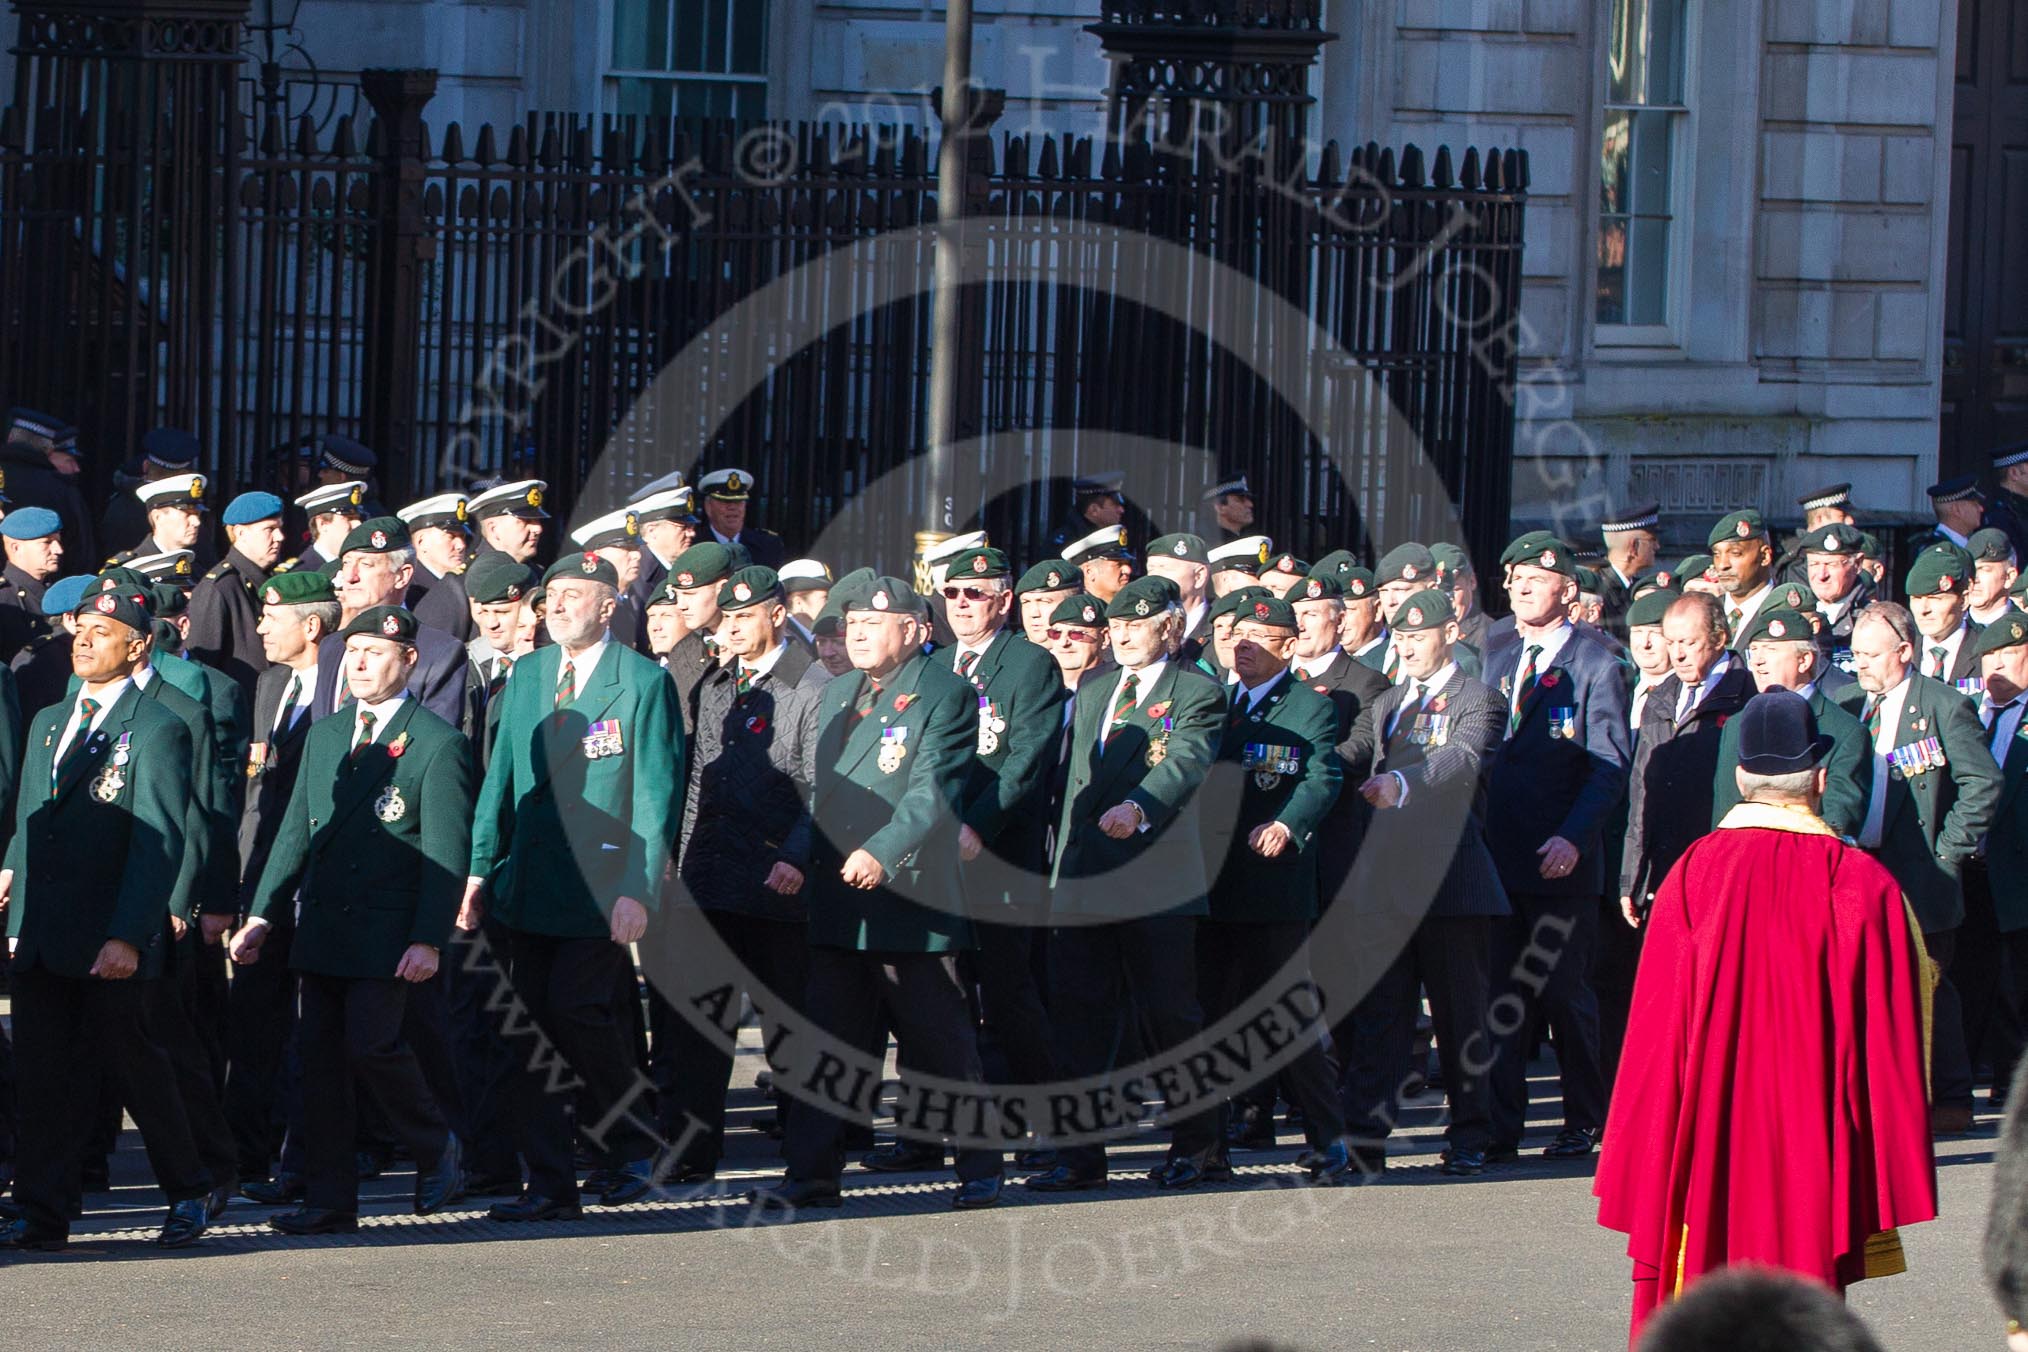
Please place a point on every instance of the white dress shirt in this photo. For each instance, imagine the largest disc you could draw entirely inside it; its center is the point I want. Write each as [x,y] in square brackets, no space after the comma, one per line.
[584,664]
[1145,679]
[1315,667]
[1883,742]
[1550,647]
[381,712]
[1688,700]
[1748,608]
[1950,644]
[106,696]
[306,692]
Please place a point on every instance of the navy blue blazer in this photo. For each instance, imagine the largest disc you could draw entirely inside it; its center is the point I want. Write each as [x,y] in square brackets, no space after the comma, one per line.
[1564,769]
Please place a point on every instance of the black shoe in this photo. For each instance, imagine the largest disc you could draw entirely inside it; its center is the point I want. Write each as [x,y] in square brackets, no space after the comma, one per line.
[16,1235]
[1178,1174]
[903,1157]
[315,1221]
[280,1190]
[1035,1161]
[9,1212]
[1328,1165]
[686,1174]
[214,1203]
[630,1184]
[1495,1154]
[1364,1166]
[1570,1144]
[493,1185]
[1252,1129]
[603,1179]
[1063,1178]
[532,1206]
[185,1222]
[977,1193]
[794,1194]
[1464,1163]
[444,1184]
[1415,1086]
[370,1163]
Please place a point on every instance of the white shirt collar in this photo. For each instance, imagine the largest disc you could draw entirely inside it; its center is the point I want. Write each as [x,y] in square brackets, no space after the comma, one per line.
[381,712]
[723,539]
[1704,689]
[144,674]
[1551,645]
[1378,640]
[1314,667]
[1750,606]
[764,664]
[1254,694]
[1950,644]
[1430,684]
[1961,541]
[979,648]
[586,662]
[107,696]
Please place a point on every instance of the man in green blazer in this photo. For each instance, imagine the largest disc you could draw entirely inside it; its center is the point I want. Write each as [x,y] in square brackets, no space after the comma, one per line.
[1782,651]
[570,839]
[1129,871]
[1994,937]
[91,869]
[1273,786]
[371,856]
[887,915]
[1935,786]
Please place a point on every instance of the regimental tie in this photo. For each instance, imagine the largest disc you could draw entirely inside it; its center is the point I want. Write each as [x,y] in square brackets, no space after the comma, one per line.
[1936,661]
[1129,698]
[1872,719]
[1411,705]
[80,733]
[868,696]
[1524,684]
[1733,615]
[364,735]
[501,666]
[1391,664]
[566,684]
[967,664]
[742,682]
[711,647]
[288,709]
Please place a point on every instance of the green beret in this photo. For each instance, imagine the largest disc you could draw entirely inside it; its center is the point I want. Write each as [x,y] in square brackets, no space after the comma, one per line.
[1079,608]
[1235,601]
[1451,560]
[2005,632]
[1835,538]
[392,622]
[1405,563]
[1791,596]
[1869,546]
[2020,587]
[495,578]
[707,565]
[121,577]
[1288,565]
[884,596]
[1271,611]
[1651,608]
[1655,579]
[166,598]
[984,561]
[1587,580]
[124,603]
[1183,545]
[1942,568]
[1335,564]
[667,593]
[1990,544]
[750,586]
[1315,588]
[1171,593]
[1426,609]
[1744,525]
[166,634]
[379,535]
[1779,624]
[1540,549]
[1142,597]
[587,565]
[1693,567]
[298,589]
[1048,575]
[1358,583]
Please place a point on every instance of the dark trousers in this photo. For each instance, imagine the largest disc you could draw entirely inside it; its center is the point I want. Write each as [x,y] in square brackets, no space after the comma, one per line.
[775,954]
[923,1000]
[1950,1067]
[352,1038]
[260,1078]
[1099,977]
[1451,957]
[9,1102]
[167,1005]
[475,980]
[577,1042]
[1012,1017]
[1993,1033]
[1235,964]
[1543,954]
[62,1024]
[1615,959]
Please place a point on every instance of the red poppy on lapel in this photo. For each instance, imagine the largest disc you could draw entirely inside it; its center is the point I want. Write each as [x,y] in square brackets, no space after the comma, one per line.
[756,724]
[1549,682]
[397,746]
[901,702]
[1158,711]
[1722,718]
[1436,706]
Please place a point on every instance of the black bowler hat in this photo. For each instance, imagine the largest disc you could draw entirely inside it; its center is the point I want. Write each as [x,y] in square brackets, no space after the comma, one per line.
[1778,735]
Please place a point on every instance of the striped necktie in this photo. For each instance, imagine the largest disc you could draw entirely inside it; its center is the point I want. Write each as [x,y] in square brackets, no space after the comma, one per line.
[1129,697]
[1937,653]
[566,684]
[80,733]
[1873,717]
[967,664]
[363,735]
[1524,685]
[1391,664]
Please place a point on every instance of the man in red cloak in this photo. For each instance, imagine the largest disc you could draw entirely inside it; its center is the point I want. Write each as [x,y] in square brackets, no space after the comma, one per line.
[1772,1102]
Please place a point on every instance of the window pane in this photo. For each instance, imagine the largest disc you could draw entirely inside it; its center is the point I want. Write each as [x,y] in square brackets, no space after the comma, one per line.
[648,98]
[1615,179]
[690,53]
[641,34]
[717,54]
[1650,178]
[1644,52]
[1647,275]
[1612,271]
[749,37]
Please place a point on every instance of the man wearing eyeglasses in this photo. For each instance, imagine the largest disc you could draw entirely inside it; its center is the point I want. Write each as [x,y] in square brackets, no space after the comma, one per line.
[1075,635]
[1003,821]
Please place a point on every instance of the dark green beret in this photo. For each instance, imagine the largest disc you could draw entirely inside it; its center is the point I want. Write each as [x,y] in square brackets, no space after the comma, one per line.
[707,565]
[1335,564]
[1587,580]
[1235,601]
[1745,525]
[1079,608]
[2020,587]
[884,596]
[1271,611]
[1835,538]
[1991,545]
[383,622]
[1142,597]
[495,578]
[1315,588]
[1183,545]
[667,593]
[1451,560]
[307,588]
[166,598]
[1780,625]
[1287,565]
[123,602]
[1048,575]
[1791,596]
[588,566]
[1655,578]
[753,585]
[1651,608]
[1405,563]
[166,634]
[984,561]
[1426,609]
[378,535]
[121,577]
[2007,631]
[1693,567]
[1869,546]
[1941,568]
[1358,583]
[1540,549]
